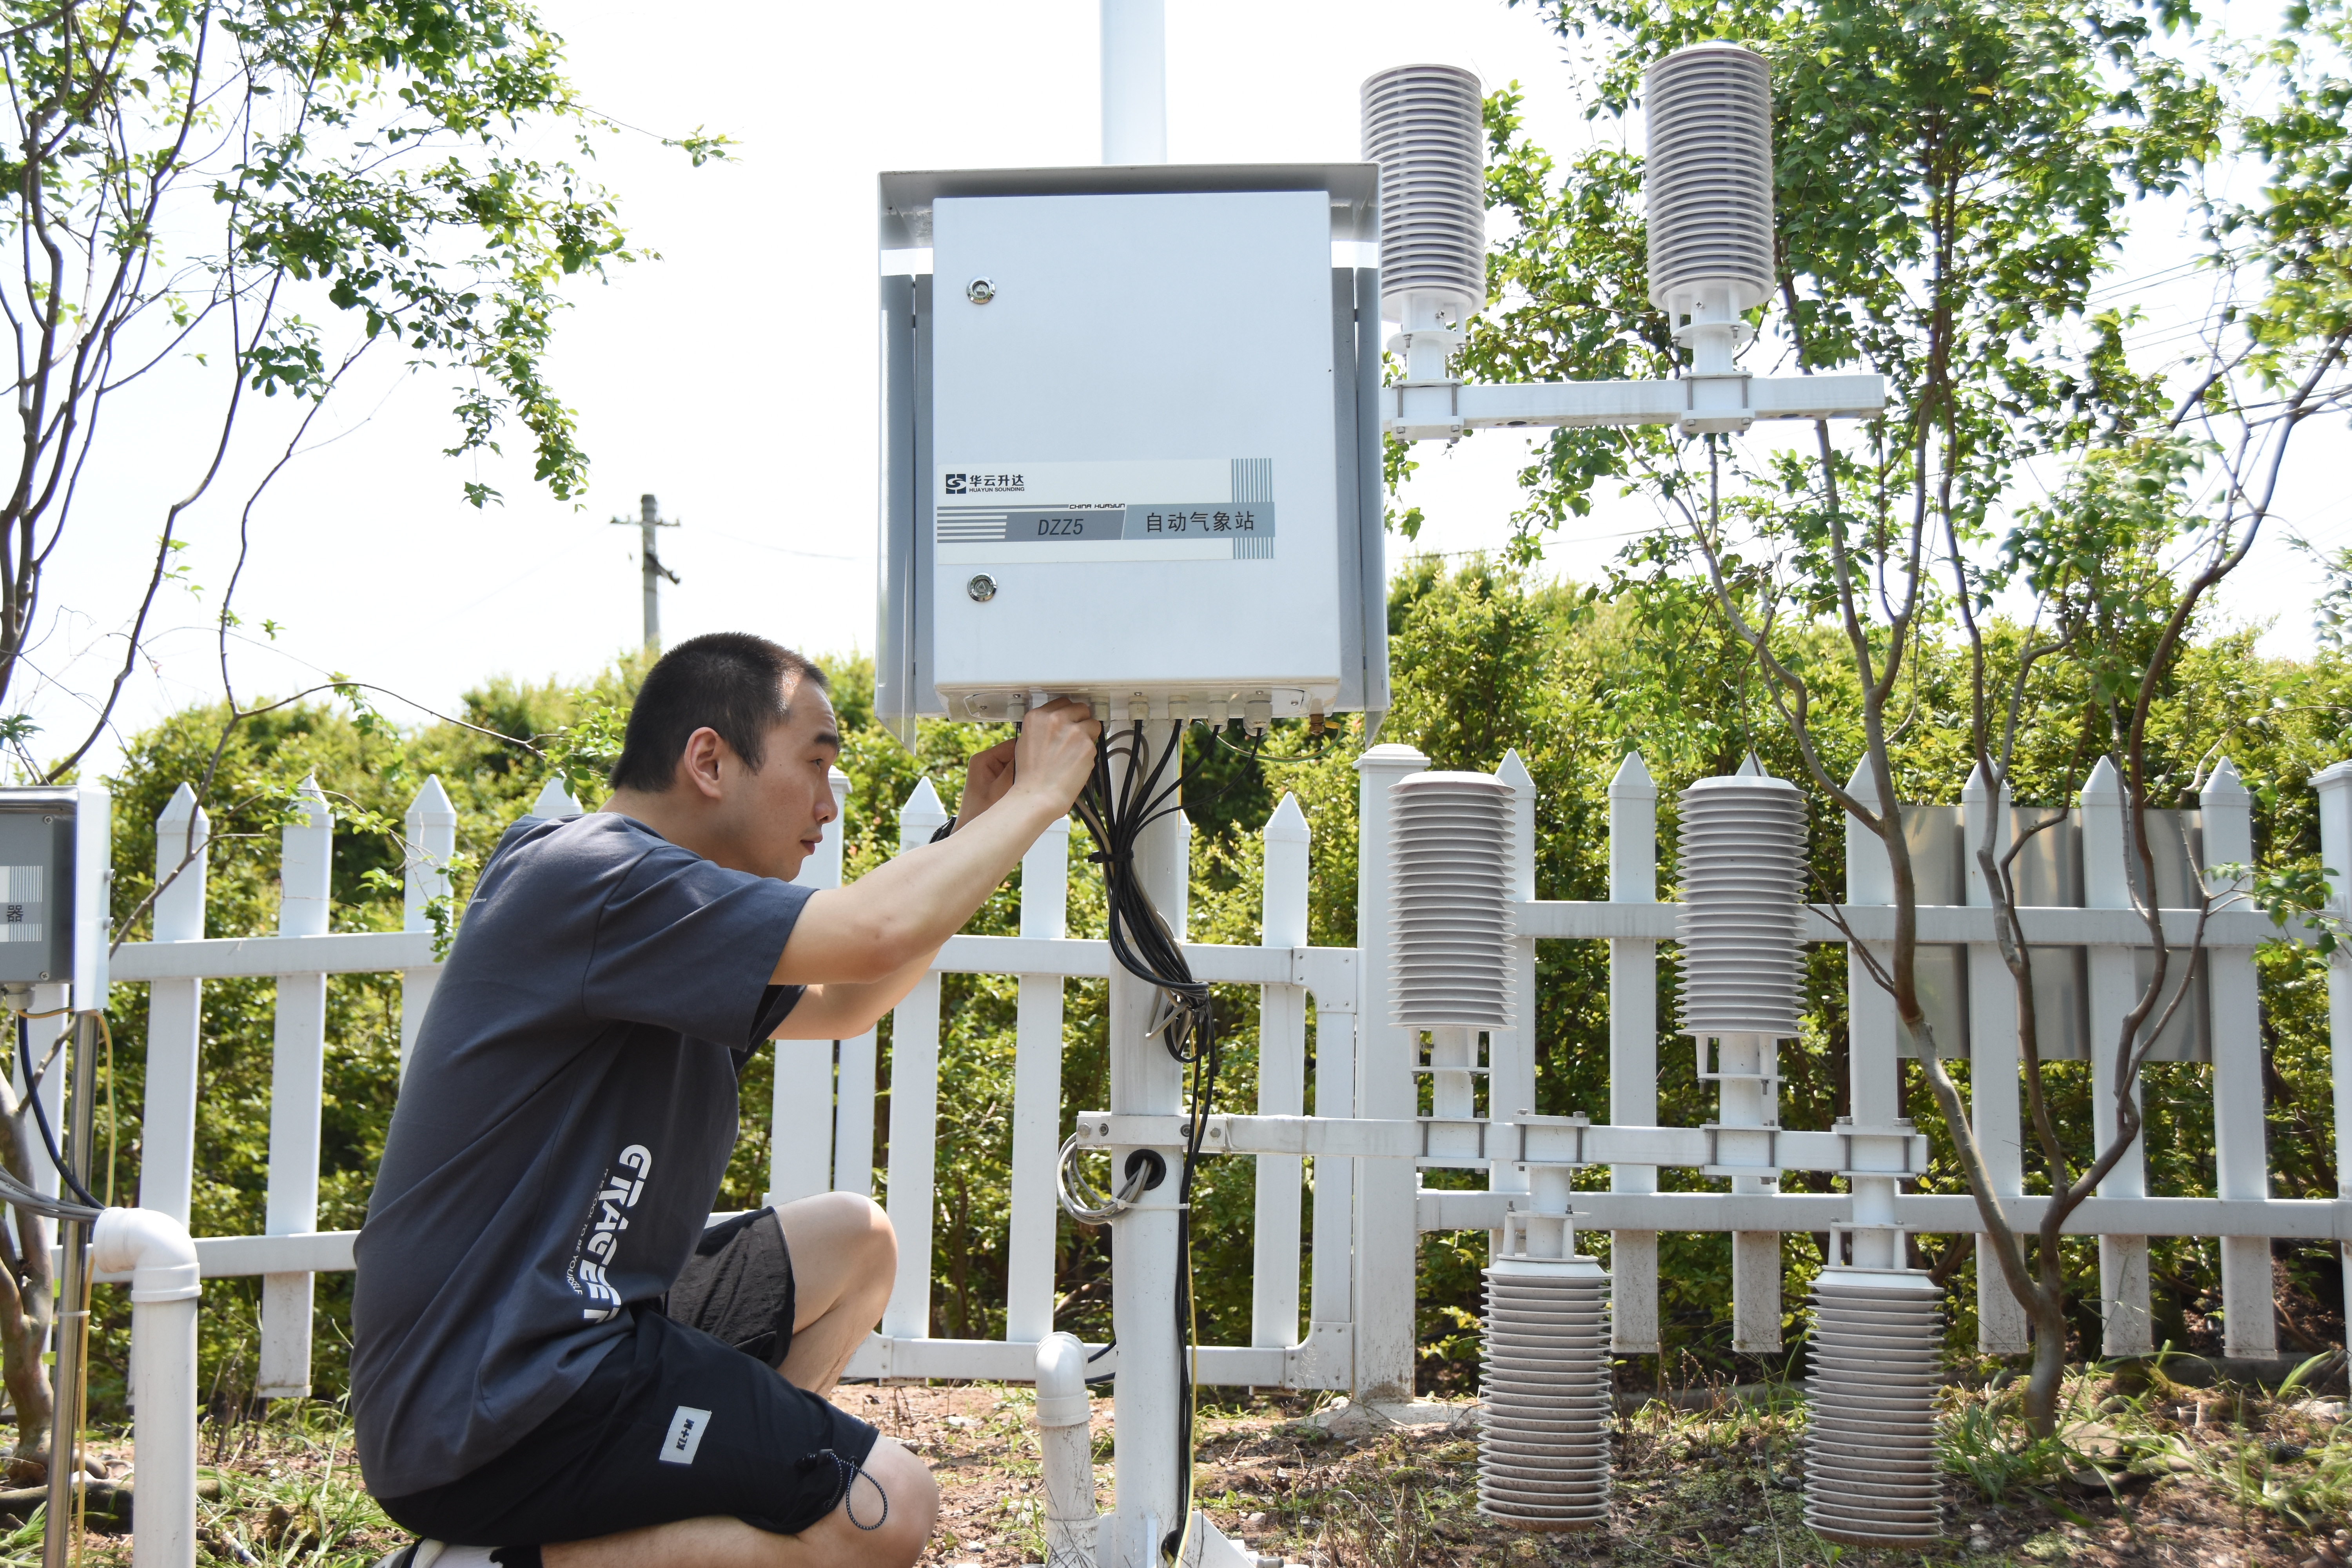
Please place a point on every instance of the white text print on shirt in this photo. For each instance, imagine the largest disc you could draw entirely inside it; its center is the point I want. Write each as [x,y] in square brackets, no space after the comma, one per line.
[599,1233]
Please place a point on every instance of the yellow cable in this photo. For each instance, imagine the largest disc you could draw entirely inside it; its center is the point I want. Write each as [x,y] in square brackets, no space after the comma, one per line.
[72,1448]
[1193,1407]
[107,1036]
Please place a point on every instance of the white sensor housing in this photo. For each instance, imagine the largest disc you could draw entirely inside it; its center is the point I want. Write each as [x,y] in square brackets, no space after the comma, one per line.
[1709,183]
[1423,127]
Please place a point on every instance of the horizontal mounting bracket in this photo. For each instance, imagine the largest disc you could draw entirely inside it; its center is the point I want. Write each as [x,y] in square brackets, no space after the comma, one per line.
[1443,410]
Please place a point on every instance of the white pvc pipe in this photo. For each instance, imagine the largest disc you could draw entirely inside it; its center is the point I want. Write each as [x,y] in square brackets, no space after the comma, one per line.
[153,1248]
[1134,81]
[1064,1453]
[1146,1080]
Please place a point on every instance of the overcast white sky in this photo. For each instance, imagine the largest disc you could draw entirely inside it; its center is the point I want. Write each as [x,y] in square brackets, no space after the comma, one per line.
[734,378]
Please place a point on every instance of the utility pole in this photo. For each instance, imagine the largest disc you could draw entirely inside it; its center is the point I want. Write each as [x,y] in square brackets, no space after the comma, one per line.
[649,518]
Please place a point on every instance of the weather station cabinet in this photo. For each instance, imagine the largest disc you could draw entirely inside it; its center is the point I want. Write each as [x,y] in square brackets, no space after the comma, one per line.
[1131,443]
[36,884]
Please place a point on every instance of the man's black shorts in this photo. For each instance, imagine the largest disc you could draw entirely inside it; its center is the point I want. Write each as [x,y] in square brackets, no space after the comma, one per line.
[685,1418]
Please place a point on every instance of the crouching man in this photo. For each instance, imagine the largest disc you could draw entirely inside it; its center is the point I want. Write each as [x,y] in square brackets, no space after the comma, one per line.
[553,1360]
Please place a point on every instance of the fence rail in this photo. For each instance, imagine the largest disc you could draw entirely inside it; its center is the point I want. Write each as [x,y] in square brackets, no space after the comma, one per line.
[1340,1314]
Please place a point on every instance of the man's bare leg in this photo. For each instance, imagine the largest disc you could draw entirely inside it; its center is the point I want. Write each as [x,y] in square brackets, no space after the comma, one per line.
[836,1541]
[845,1257]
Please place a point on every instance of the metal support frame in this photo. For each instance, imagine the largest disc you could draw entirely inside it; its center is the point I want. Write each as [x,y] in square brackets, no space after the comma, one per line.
[1444,410]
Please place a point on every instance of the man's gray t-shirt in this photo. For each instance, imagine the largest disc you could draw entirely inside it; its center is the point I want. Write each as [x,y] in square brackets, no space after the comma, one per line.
[561,1134]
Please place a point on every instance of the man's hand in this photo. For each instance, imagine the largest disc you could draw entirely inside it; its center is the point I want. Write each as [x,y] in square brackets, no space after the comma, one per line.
[867,943]
[1054,757]
[985,779]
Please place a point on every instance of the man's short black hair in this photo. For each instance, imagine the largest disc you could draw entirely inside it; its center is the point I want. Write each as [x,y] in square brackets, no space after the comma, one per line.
[732,682]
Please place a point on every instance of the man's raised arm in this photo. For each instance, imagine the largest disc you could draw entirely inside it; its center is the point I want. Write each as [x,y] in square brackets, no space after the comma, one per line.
[860,948]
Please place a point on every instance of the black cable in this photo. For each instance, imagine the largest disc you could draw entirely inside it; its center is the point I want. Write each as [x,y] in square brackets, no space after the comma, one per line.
[41,1116]
[1116,814]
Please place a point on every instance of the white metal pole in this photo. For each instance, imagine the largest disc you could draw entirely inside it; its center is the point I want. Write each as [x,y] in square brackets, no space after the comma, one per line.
[1875,1033]
[2115,984]
[174,1014]
[1633,1051]
[1134,81]
[432,824]
[1281,1081]
[800,1106]
[1387,1246]
[2334,785]
[1992,1070]
[1510,1053]
[1145,1081]
[2241,1145]
[1747,1095]
[914,1109]
[296,1087]
[1037,1096]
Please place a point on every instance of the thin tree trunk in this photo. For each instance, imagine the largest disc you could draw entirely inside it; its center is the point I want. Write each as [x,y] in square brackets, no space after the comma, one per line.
[28,1307]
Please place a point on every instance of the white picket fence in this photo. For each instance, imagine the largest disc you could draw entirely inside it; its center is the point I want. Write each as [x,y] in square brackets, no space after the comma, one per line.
[1359,1273]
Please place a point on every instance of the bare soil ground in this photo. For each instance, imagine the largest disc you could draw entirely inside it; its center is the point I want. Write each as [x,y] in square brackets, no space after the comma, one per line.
[2199,1479]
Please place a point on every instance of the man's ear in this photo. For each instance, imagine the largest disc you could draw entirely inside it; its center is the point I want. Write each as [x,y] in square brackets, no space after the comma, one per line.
[697,762]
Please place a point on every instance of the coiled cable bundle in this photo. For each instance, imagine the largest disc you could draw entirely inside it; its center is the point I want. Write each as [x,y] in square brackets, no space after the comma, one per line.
[1131,789]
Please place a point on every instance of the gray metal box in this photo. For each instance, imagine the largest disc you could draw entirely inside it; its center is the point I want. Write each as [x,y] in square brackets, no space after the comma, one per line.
[36,884]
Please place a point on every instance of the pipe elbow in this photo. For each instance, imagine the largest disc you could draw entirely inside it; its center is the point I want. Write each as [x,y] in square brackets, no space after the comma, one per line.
[150,1247]
[1062,1398]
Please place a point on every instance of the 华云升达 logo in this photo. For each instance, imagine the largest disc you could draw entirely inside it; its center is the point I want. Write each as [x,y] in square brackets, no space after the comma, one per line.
[983,484]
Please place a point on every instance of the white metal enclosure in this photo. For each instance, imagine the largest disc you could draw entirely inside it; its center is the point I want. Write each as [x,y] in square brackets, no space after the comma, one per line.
[1131,442]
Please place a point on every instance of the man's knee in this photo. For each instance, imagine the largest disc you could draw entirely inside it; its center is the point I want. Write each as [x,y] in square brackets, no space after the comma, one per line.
[895,1535]
[839,1222]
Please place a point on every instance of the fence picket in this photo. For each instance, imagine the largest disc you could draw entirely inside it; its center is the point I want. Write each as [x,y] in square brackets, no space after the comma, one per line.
[2333,786]
[554,799]
[1281,1079]
[914,1109]
[174,1013]
[852,1115]
[1036,1096]
[2123,1259]
[1633,1050]
[800,1114]
[297,1086]
[2240,1147]
[1994,1085]
[432,831]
